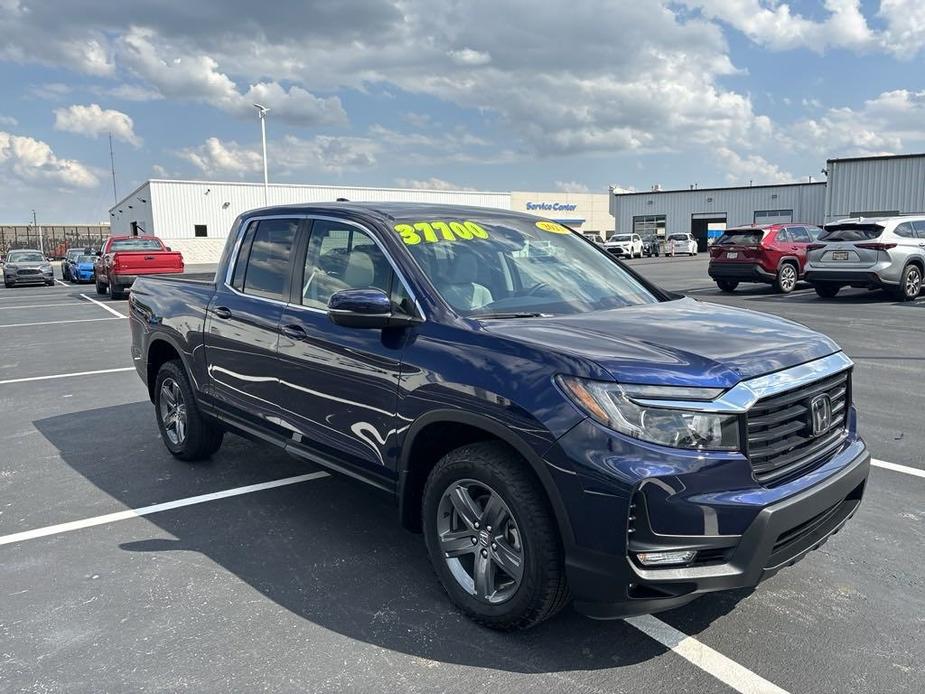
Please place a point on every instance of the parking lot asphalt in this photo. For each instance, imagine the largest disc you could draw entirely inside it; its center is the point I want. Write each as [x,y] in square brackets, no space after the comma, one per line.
[313,586]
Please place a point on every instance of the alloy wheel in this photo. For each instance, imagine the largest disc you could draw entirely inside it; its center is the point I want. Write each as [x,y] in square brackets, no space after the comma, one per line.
[480,541]
[173,411]
[788,278]
[913,284]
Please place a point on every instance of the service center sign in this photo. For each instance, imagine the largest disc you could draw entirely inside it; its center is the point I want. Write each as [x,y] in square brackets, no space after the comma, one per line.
[552,206]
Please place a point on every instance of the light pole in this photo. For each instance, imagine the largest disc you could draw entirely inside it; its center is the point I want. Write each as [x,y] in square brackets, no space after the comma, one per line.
[35,225]
[262,115]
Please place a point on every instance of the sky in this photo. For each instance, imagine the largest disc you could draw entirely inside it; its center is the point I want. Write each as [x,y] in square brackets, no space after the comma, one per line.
[447,94]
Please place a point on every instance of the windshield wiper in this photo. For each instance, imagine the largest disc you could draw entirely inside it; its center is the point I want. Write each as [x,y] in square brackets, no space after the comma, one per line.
[512,314]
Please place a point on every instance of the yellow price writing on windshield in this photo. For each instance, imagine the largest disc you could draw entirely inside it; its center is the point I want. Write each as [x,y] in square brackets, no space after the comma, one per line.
[434,231]
[553,227]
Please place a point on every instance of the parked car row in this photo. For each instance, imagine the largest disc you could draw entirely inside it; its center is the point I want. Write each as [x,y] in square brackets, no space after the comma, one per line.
[873,253]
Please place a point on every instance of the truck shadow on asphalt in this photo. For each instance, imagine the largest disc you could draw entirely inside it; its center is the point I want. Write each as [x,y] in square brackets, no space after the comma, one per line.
[331,551]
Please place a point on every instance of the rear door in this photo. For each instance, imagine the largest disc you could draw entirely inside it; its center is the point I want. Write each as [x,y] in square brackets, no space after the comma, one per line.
[339,385]
[243,318]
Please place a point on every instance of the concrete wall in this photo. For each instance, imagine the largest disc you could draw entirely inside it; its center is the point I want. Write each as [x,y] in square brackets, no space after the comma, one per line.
[807,200]
[581,211]
[875,185]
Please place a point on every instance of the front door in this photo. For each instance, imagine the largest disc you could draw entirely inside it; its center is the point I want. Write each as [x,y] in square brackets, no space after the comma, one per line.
[339,385]
[243,319]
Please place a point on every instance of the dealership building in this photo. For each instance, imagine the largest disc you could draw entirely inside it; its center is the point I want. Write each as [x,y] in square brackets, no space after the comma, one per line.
[855,187]
[195,217]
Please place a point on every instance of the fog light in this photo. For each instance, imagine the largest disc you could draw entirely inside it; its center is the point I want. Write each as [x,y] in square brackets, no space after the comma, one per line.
[665,558]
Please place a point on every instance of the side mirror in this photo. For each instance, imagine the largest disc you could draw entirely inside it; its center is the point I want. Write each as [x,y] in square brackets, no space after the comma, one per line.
[365,308]
[166,248]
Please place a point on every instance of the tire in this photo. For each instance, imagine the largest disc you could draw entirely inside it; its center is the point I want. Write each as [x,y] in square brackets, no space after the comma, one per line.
[727,286]
[100,289]
[787,277]
[490,470]
[8,285]
[50,284]
[826,291]
[910,284]
[189,436]
[115,294]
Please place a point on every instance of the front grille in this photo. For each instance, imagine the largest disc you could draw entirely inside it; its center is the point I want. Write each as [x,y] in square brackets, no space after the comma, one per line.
[781,443]
[29,272]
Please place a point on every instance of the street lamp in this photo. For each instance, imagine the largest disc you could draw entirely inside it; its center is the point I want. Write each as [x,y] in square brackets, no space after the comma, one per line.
[35,225]
[262,115]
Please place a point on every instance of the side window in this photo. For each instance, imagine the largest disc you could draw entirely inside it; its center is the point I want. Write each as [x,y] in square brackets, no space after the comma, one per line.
[814,233]
[800,235]
[905,230]
[783,236]
[267,270]
[919,229]
[341,257]
[237,279]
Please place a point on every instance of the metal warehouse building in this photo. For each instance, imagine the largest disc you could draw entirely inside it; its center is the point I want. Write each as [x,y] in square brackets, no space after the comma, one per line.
[701,210]
[875,186]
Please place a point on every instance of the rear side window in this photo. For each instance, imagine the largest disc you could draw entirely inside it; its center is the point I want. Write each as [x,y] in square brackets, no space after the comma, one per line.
[740,237]
[784,235]
[919,229]
[905,230]
[267,268]
[799,235]
[851,232]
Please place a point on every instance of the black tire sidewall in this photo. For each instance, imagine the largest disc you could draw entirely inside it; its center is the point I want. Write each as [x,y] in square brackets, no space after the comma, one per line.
[510,613]
[197,444]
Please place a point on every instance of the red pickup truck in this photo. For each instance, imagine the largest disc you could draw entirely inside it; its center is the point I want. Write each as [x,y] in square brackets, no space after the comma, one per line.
[123,258]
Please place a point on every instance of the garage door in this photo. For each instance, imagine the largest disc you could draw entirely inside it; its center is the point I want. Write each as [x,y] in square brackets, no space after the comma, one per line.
[773,216]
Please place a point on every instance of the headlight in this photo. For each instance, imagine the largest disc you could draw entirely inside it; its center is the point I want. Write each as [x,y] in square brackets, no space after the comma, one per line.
[613,405]
[8,266]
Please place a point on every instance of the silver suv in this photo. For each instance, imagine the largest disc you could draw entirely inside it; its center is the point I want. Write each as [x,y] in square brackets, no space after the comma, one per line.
[876,253]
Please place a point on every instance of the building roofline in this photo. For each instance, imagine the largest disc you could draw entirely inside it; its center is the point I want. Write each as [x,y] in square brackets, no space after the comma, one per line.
[875,157]
[323,185]
[707,190]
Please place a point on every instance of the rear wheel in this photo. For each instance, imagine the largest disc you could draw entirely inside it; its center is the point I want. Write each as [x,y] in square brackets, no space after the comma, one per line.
[492,538]
[786,278]
[827,291]
[187,434]
[100,289]
[727,285]
[114,292]
[910,285]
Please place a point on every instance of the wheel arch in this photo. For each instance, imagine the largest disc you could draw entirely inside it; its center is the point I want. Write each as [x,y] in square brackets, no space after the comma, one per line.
[436,433]
[160,350]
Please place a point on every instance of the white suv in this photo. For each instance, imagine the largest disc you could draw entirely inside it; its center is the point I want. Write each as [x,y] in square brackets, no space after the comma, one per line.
[874,252]
[629,245]
[681,243]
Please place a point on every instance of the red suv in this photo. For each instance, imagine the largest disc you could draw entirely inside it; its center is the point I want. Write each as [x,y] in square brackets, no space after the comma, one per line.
[772,254]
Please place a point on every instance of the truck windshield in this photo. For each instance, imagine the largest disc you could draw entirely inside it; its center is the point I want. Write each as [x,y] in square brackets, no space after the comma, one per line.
[135,245]
[504,266]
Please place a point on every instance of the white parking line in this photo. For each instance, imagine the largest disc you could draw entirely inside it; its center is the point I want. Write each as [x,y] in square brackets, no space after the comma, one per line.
[58,322]
[722,668]
[102,305]
[68,303]
[156,508]
[62,283]
[70,375]
[898,468]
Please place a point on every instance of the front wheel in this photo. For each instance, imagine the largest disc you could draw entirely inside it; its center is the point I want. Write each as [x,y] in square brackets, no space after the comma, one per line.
[492,538]
[187,434]
[910,285]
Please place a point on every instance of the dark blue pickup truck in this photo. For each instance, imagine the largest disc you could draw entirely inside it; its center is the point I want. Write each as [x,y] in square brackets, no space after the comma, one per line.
[556,426]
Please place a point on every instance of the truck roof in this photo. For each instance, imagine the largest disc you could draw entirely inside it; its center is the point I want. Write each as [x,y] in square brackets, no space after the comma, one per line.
[391,210]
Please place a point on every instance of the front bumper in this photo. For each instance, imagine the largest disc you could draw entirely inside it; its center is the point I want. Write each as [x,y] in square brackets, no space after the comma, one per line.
[740,272]
[618,251]
[40,278]
[779,536]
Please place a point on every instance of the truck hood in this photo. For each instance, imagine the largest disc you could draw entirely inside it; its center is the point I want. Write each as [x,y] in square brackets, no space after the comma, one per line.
[682,342]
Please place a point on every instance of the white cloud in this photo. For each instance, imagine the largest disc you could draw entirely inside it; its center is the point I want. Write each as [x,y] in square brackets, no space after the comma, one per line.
[467,56]
[93,121]
[432,183]
[571,187]
[750,168]
[197,77]
[27,160]
[52,91]
[132,92]
[321,153]
[889,123]
[8,121]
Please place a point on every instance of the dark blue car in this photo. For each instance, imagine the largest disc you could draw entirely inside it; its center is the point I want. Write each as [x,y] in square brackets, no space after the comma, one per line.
[556,426]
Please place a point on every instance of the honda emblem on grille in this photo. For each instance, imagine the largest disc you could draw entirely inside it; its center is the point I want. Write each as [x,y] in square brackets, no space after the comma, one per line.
[820,414]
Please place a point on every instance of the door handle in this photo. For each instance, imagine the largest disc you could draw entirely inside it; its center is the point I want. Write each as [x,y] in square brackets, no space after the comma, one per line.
[295,332]
[222,312]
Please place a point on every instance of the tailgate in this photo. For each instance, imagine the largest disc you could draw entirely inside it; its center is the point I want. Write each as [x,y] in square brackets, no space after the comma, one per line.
[147,262]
